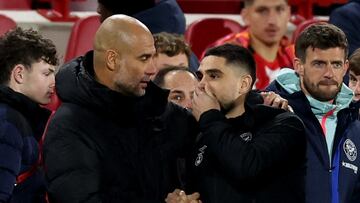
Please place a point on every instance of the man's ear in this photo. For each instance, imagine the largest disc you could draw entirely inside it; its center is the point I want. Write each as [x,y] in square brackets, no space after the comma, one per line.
[245,84]
[18,74]
[298,66]
[111,59]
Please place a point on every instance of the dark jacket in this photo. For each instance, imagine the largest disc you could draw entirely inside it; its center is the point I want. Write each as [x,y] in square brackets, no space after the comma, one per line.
[22,122]
[340,181]
[256,157]
[166,16]
[105,147]
[347,18]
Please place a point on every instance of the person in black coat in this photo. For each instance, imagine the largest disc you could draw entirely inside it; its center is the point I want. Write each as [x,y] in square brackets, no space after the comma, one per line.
[115,138]
[347,18]
[244,153]
[27,62]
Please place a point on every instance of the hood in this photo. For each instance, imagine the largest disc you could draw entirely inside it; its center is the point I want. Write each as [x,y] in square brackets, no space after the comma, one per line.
[289,80]
[75,84]
[166,16]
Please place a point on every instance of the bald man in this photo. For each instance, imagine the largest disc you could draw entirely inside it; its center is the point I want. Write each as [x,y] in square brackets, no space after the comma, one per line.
[180,82]
[115,138]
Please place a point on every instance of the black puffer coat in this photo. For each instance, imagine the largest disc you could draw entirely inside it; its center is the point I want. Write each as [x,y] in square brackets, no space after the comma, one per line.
[104,147]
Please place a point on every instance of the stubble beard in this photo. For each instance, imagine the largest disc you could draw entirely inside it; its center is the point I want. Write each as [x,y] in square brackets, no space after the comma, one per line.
[315,91]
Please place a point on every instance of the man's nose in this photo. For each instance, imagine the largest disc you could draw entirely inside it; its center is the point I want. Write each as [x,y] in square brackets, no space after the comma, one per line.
[150,68]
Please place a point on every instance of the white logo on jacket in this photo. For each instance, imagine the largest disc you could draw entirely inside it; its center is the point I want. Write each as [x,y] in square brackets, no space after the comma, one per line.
[350,149]
[247,137]
[200,155]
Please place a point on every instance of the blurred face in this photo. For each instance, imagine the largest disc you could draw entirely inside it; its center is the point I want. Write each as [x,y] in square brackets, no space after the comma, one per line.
[354,84]
[221,80]
[39,82]
[267,20]
[162,60]
[135,66]
[182,86]
[322,73]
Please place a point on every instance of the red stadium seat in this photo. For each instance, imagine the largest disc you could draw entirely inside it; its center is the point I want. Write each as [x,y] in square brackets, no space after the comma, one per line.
[6,24]
[81,37]
[303,26]
[200,34]
[15,5]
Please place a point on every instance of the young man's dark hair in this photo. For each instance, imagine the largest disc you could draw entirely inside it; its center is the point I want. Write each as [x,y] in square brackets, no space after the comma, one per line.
[171,44]
[236,55]
[322,36]
[24,47]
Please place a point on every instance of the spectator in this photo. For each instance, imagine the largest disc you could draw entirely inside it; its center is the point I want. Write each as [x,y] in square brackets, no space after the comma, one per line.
[244,153]
[318,96]
[171,50]
[265,37]
[181,83]
[347,18]
[354,71]
[157,15]
[27,62]
[115,137]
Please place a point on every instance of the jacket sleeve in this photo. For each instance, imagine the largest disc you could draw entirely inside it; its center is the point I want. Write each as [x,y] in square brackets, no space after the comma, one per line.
[10,158]
[71,164]
[277,142]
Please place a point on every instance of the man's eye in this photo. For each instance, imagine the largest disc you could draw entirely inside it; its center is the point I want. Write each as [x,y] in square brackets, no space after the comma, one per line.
[337,65]
[214,76]
[319,65]
[144,58]
[176,98]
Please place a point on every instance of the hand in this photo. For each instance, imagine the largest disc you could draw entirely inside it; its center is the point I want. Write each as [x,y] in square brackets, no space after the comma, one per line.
[203,100]
[179,196]
[276,101]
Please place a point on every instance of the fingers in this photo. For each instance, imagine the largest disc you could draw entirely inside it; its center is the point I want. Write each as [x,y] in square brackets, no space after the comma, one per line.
[274,100]
[194,196]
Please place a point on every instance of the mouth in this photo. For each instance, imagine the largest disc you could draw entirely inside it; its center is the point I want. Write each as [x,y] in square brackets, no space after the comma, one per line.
[144,83]
[272,31]
[328,83]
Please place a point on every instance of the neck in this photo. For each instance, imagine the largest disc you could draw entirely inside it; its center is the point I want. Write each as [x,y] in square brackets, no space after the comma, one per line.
[268,52]
[238,108]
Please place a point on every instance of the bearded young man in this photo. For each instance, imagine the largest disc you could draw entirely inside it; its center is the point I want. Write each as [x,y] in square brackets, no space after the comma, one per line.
[318,96]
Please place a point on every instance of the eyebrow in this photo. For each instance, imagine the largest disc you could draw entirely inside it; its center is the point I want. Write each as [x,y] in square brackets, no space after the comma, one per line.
[177,92]
[209,71]
[52,70]
[146,55]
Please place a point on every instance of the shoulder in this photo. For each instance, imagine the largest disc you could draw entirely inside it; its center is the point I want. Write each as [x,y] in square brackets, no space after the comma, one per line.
[13,127]
[269,117]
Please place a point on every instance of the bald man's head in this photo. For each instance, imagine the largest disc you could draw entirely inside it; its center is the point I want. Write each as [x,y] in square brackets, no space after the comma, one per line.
[123,52]
[118,30]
